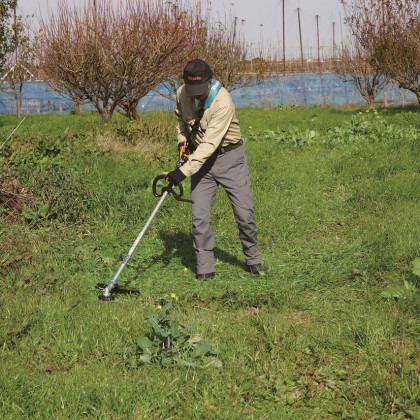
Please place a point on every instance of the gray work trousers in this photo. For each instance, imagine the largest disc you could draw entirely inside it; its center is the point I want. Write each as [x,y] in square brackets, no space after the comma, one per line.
[229,170]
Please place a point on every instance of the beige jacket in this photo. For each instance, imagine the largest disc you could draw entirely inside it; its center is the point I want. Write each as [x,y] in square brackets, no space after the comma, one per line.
[218,127]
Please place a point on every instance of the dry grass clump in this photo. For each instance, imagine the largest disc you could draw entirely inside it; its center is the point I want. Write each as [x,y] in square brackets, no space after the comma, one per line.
[13,198]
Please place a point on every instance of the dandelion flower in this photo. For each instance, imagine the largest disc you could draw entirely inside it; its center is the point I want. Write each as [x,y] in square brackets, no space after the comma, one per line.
[250,127]
[159,307]
[185,269]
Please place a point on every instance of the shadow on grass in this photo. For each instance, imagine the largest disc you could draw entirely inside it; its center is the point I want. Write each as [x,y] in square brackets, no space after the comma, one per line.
[119,289]
[180,245]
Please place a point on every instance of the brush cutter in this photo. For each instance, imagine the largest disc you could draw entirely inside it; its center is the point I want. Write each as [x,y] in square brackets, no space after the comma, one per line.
[168,189]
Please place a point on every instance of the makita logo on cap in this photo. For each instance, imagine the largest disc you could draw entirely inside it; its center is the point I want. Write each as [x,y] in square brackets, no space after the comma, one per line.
[194,78]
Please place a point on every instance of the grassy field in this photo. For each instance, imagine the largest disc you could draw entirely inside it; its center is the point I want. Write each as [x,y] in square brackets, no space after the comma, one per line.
[331,332]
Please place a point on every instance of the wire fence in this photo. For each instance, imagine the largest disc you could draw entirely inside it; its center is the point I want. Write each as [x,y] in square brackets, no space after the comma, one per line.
[297,89]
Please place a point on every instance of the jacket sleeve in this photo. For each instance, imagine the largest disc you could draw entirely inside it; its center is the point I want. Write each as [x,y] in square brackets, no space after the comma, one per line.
[220,119]
[182,127]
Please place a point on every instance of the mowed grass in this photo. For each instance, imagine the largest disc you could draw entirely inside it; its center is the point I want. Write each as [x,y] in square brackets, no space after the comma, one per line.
[339,223]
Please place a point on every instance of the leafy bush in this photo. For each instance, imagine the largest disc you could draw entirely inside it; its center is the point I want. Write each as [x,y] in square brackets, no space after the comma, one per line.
[174,343]
[292,136]
[361,128]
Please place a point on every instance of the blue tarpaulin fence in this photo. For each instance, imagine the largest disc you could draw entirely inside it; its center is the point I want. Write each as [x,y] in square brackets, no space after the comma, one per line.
[299,89]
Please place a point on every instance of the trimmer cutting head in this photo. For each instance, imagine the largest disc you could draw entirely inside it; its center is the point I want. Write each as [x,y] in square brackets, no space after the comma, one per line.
[105,298]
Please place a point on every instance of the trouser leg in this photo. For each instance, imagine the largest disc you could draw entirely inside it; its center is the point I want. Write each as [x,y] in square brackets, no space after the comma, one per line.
[203,191]
[231,171]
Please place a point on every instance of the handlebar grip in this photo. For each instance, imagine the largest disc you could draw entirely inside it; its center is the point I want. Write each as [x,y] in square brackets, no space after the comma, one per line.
[168,188]
[155,181]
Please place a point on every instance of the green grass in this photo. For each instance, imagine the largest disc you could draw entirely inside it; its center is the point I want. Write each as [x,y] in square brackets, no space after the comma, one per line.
[339,222]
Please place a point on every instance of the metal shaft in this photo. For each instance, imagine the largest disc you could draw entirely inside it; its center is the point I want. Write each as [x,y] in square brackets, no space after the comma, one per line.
[113,282]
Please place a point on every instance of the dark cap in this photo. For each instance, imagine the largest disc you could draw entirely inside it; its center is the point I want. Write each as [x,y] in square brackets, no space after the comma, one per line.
[197,74]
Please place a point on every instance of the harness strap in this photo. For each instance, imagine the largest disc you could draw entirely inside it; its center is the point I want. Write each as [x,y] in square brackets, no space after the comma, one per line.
[214,90]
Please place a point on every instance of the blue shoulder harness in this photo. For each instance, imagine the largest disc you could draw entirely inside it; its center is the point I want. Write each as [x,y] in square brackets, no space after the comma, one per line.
[215,87]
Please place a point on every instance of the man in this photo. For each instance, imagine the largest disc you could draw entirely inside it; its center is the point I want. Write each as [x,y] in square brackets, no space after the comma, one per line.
[207,124]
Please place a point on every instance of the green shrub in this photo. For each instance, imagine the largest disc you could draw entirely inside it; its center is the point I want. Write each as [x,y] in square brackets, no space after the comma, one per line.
[174,343]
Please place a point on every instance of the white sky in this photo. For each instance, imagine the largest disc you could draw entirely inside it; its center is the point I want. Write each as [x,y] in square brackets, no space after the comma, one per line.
[262,21]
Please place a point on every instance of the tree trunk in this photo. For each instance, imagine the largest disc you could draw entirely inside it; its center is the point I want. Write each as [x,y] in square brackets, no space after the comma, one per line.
[132,113]
[391,85]
[129,109]
[18,98]
[402,97]
[368,98]
[106,116]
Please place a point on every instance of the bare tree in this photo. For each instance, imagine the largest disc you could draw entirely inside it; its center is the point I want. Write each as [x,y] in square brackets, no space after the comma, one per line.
[111,56]
[18,62]
[225,50]
[389,32]
[169,34]
[6,32]
[353,66]
[223,47]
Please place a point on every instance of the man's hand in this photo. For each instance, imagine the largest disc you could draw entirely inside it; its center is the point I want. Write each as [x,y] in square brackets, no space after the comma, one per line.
[175,177]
